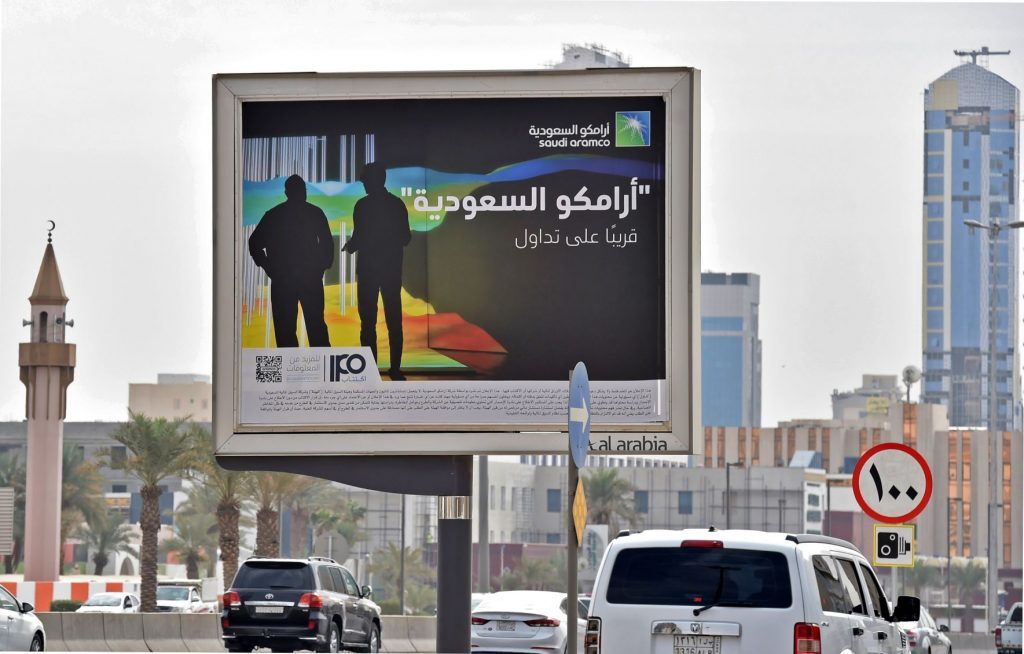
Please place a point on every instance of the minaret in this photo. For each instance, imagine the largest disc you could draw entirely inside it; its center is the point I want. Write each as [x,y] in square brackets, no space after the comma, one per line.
[47,367]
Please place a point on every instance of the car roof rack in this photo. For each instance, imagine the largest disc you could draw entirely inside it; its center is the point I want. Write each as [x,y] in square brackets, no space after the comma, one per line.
[322,559]
[818,538]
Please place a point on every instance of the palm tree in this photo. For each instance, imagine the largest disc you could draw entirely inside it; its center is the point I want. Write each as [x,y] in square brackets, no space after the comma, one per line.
[386,565]
[157,449]
[609,498]
[967,578]
[342,518]
[81,493]
[270,489]
[231,487]
[922,576]
[307,492]
[12,474]
[105,535]
[193,540]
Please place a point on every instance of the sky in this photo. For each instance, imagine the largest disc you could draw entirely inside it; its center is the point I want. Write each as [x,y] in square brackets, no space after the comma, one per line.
[811,165]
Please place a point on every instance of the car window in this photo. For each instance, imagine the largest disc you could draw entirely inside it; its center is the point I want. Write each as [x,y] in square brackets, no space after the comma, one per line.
[339,583]
[135,601]
[1015,615]
[127,602]
[583,610]
[879,605]
[324,575]
[351,587]
[830,586]
[700,576]
[7,601]
[274,574]
[195,596]
[851,587]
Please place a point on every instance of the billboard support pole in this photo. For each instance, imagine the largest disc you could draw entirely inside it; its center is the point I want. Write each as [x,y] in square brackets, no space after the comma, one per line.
[454,570]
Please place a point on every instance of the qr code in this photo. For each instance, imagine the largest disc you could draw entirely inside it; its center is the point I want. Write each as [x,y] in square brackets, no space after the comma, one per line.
[268,368]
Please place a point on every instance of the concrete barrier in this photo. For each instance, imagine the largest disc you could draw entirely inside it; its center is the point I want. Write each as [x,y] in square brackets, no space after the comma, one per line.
[53,625]
[83,632]
[423,633]
[973,643]
[201,632]
[162,632]
[123,632]
[394,634]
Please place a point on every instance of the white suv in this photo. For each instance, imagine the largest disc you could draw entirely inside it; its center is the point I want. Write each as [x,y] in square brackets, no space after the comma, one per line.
[697,591]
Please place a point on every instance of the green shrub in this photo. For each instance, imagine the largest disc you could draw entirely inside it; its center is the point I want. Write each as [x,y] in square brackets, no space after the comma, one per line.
[389,607]
[64,606]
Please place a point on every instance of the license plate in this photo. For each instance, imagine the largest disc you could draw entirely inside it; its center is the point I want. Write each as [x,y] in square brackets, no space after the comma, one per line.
[697,645]
[269,609]
[506,625]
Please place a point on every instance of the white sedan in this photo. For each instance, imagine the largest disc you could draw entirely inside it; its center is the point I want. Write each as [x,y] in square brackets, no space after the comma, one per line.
[524,621]
[110,603]
[20,629]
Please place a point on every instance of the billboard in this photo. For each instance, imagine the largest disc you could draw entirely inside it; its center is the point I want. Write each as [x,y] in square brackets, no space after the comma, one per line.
[413,263]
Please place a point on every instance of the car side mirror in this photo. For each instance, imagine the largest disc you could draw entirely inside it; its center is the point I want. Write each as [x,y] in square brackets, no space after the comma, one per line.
[908,609]
[944,628]
[27,608]
[366,592]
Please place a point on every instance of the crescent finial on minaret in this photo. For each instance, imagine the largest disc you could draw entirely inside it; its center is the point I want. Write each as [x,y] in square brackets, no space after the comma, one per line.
[49,231]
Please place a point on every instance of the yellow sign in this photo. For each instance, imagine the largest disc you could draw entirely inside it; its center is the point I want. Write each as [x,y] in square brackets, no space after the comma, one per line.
[579,511]
[878,405]
[894,546]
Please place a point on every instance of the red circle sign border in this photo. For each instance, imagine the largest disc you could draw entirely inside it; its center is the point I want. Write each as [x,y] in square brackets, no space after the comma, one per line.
[927,482]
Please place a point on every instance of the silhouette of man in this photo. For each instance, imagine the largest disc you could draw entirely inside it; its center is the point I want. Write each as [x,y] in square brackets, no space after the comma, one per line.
[380,232]
[293,243]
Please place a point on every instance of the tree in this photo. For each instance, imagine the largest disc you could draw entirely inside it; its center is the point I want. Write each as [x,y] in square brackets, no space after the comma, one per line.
[193,540]
[81,497]
[386,566]
[533,574]
[306,492]
[609,499]
[269,491]
[967,578]
[104,535]
[157,448]
[231,487]
[12,474]
[922,576]
[341,517]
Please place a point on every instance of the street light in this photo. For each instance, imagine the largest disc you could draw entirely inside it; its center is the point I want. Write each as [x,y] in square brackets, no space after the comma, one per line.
[728,495]
[995,464]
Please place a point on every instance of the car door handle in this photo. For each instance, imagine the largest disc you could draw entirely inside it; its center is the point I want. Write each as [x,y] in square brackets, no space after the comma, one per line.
[857,631]
[824,623]
[882,635]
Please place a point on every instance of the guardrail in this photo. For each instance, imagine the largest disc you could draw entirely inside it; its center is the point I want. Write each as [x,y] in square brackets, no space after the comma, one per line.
[183,632]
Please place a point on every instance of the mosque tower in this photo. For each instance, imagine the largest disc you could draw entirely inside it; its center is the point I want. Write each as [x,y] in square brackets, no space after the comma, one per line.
[47,367]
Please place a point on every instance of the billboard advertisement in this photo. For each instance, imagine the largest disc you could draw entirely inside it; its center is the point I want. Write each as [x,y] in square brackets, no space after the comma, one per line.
[415,263]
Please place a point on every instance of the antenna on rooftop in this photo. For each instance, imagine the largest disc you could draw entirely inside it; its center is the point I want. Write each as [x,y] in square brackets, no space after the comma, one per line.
[984,53]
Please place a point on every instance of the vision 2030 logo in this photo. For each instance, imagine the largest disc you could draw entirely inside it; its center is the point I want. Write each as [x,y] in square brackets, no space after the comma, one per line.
[632,129]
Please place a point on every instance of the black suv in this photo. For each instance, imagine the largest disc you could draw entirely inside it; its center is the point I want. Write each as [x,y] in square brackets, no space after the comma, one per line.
[290,604]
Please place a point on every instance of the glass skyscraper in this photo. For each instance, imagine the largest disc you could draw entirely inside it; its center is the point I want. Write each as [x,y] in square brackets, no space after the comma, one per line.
[730,350]
[971,157]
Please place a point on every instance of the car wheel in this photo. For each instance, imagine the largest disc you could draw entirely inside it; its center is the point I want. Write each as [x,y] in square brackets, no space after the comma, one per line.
[37,644]
[373,642]
[333,640]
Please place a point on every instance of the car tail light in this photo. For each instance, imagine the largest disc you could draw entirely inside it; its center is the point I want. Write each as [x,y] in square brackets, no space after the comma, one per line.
[477,620]
[592,638]
[999,636]
[701,543]
[543,622]
[311,625]
[806,638]
[231,598]
[311,601]
[224,622]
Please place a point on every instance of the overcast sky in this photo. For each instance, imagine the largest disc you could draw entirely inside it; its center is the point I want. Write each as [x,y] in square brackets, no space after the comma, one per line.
[811,139]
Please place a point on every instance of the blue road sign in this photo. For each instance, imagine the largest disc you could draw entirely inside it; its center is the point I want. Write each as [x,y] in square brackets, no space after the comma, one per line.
[579,414]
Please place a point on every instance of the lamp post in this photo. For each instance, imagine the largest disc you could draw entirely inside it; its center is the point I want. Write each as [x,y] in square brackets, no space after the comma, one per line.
[728,494]
[995,467]
[782,507]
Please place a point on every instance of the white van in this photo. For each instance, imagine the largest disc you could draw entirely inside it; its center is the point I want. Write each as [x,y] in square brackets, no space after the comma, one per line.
[702,591]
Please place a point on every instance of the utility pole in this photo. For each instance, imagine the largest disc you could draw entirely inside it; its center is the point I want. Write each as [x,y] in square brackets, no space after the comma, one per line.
[483,541]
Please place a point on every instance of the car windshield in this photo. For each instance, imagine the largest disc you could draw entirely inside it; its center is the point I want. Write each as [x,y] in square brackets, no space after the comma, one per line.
[171,593]
[700,576]
[103,600]
[274,574]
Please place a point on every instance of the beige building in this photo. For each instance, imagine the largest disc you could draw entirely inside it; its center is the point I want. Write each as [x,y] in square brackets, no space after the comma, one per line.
[174,396]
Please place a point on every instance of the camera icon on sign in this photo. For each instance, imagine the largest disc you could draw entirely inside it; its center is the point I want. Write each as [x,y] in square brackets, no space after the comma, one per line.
[891,545]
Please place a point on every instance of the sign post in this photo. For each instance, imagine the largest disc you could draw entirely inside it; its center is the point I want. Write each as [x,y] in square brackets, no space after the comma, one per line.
[579,441]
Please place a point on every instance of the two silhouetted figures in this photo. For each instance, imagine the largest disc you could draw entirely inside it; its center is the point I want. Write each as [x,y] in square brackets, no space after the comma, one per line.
[293,244]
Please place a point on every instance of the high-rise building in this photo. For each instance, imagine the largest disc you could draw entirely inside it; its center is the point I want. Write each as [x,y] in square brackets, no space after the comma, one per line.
[730,349]
[971,156]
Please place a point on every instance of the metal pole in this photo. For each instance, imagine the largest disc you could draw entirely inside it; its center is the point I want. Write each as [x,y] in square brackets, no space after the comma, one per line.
[401,563]
[949,558]
[782,503]
[728,499]
[572,612]
[454,566]
[993,532]
[483,537]
[828,506]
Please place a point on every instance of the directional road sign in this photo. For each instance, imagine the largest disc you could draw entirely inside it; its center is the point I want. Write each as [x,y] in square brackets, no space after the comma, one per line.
[892,483]
[579,415]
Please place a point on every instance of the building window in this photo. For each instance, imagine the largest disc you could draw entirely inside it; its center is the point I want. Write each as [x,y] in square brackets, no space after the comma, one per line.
[554,500]
[554,538]
[814,516]
[685,502]
[492,498]
[933,186]
[640,500]
[967,163]
[813,500]
[118,488]
[503,502]
[935,253]
[935,274]
[935,319]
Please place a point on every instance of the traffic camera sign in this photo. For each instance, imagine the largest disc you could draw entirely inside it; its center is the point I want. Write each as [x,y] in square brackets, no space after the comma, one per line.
[892,483]
[894,546]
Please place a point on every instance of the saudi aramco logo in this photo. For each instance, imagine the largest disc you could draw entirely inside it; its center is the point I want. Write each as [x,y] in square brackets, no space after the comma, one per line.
[632,129]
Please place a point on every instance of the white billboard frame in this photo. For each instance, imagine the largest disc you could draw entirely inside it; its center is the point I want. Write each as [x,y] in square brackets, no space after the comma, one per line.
[680,89]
